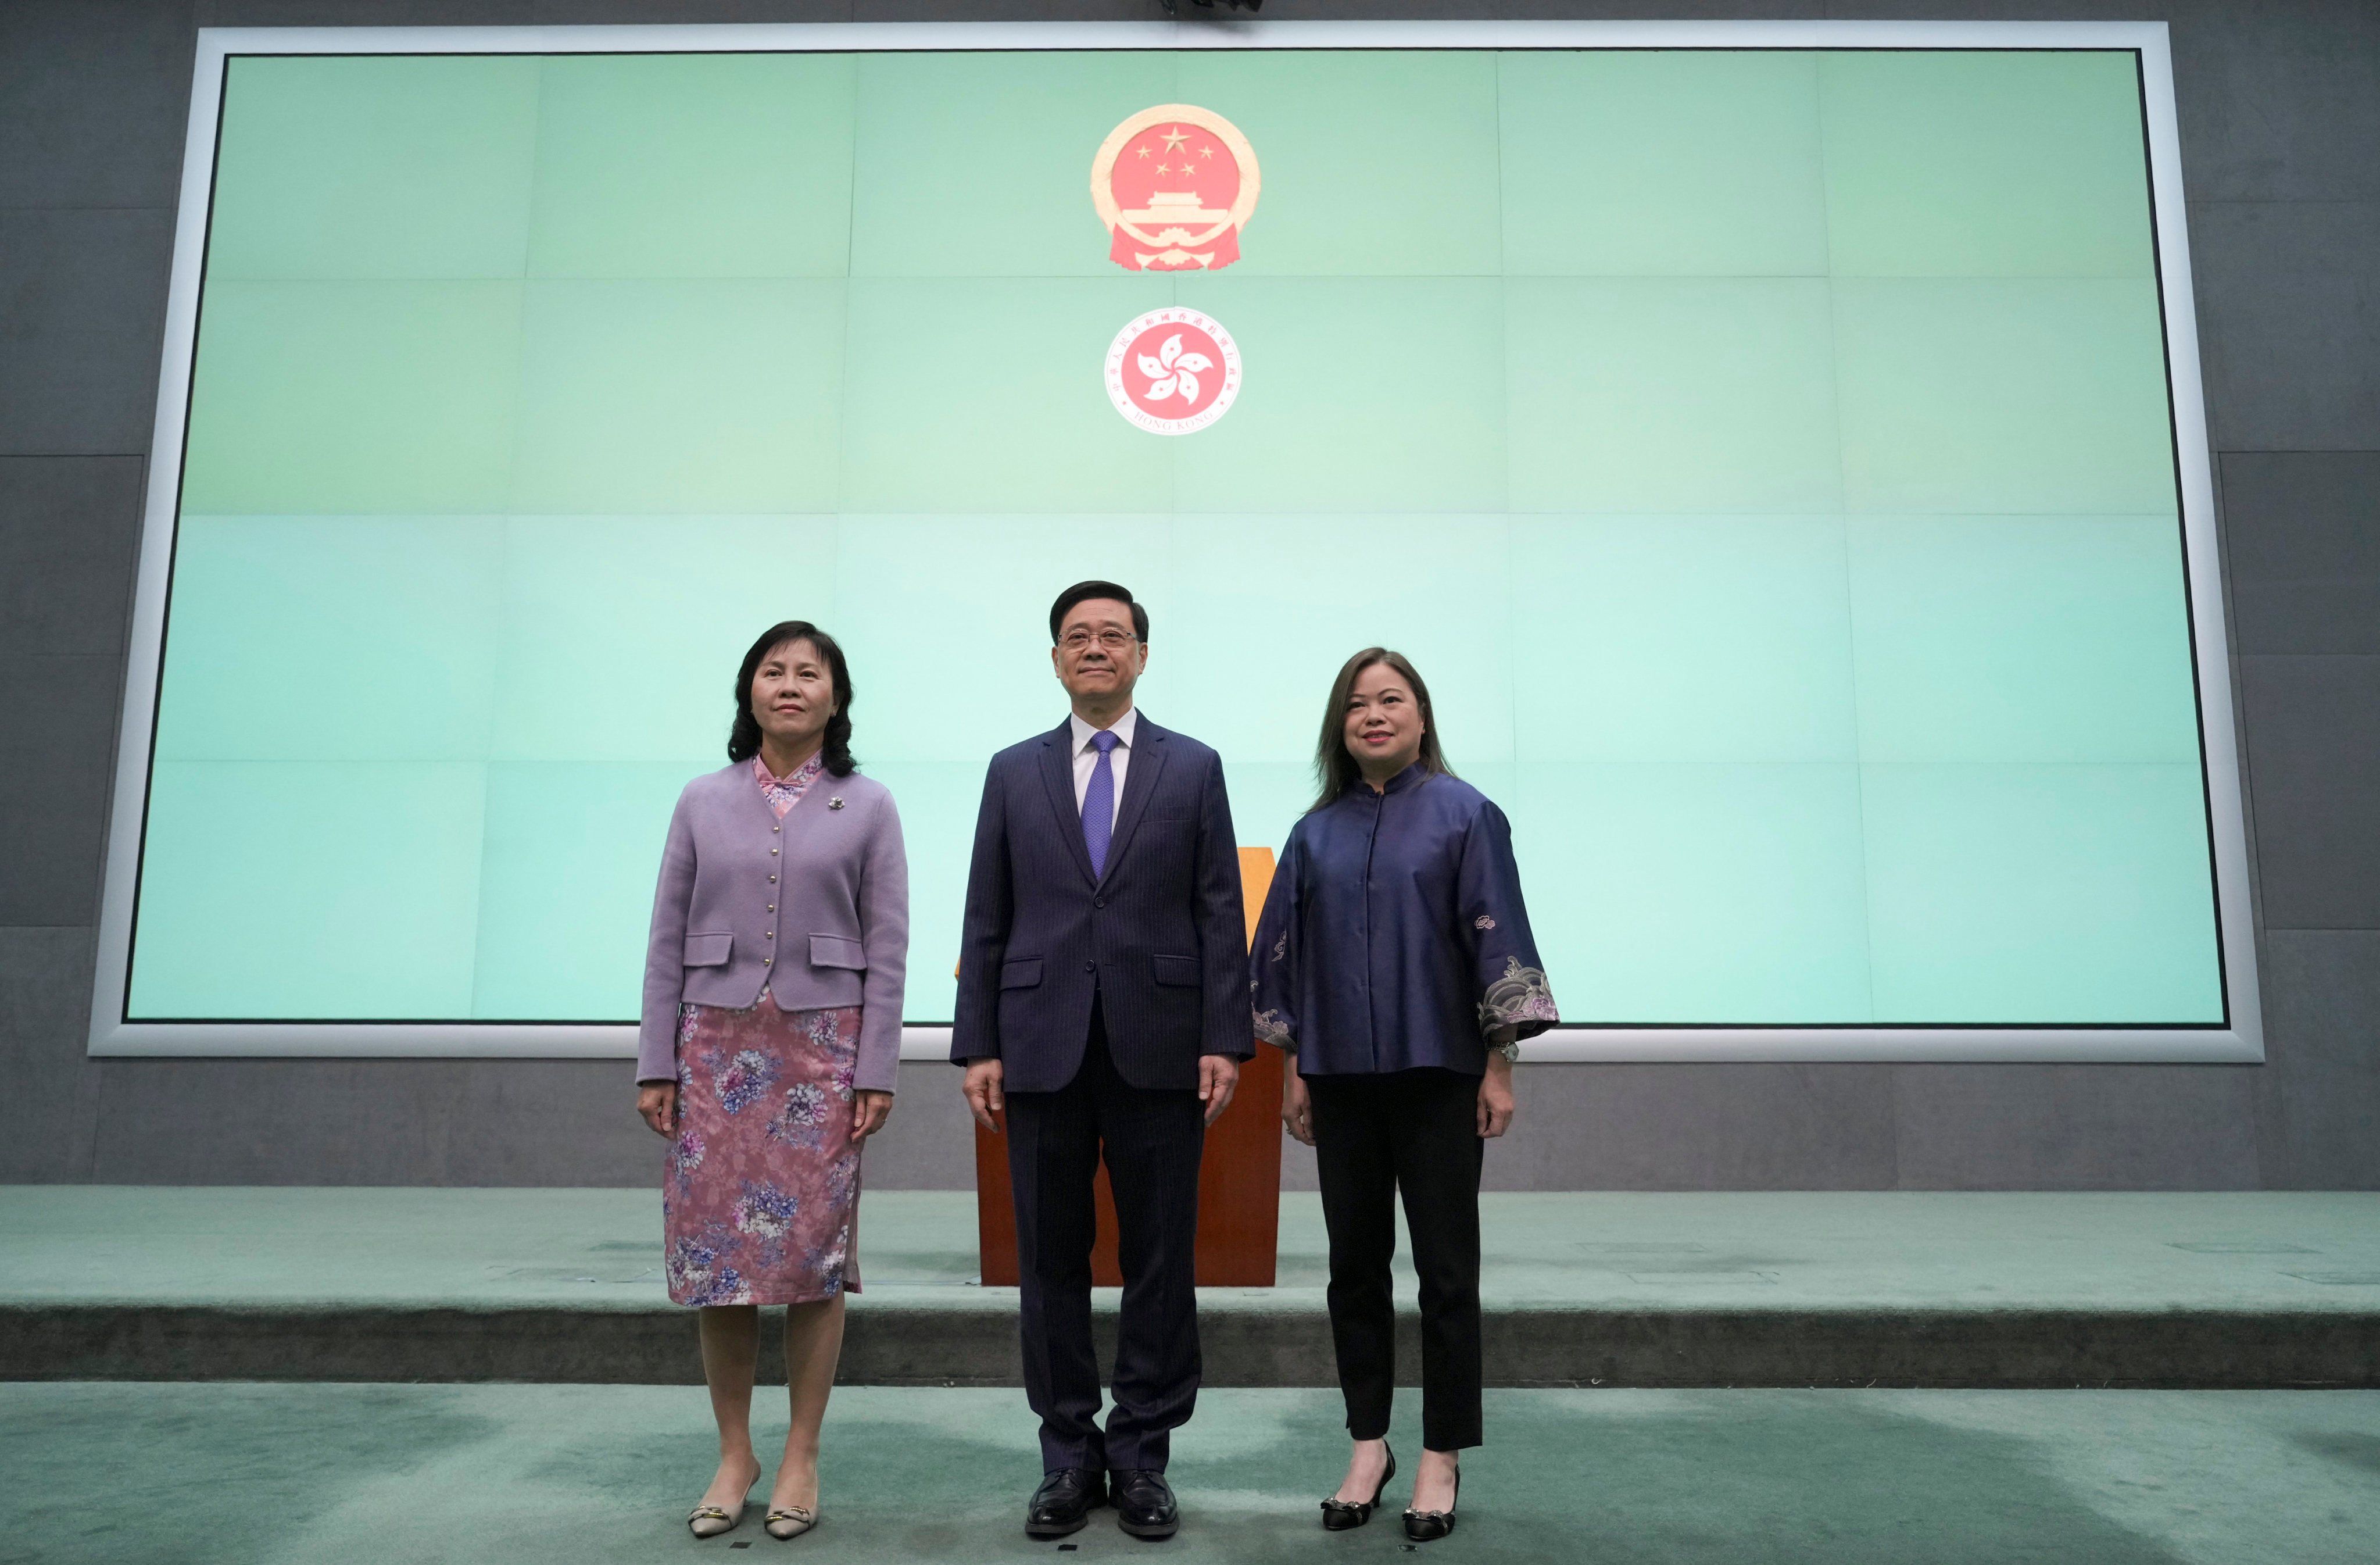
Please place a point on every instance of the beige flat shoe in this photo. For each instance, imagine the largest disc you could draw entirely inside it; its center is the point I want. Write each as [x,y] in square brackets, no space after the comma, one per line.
[710,1521]
[791,1521]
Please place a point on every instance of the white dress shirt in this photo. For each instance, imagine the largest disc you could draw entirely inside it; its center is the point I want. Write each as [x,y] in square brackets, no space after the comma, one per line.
[1086,757]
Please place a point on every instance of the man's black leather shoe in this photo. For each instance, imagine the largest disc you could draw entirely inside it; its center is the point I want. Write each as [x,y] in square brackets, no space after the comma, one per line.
[1064,1501]
[1144,1507]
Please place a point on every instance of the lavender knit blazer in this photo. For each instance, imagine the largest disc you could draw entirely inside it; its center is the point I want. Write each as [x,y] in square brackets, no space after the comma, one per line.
[815,906]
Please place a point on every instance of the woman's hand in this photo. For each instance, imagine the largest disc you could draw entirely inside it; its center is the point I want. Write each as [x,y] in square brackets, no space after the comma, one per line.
[869,1112]
[1297,1105]
[657,1101]
[1496,1097]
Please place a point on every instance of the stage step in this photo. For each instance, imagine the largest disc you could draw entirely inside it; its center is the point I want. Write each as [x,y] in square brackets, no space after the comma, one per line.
[1837,1288]
[912,1345]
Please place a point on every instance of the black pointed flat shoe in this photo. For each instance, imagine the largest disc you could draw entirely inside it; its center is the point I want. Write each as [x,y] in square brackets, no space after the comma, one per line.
[1428,1526]
[1339,1515]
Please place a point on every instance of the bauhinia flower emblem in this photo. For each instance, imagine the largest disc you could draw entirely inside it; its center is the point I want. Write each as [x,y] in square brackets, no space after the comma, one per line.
[1174,373]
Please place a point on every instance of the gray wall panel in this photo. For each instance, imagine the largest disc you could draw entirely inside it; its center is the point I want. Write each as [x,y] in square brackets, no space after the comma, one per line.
[1699,1126]
[82,309]
[929,1142]
[570,13]
[412,1121]
[93,99]
[58,716]
[999,11]
[2303,535]
[2286,98]
[367,13]
[370,1122]
[1325,10]
[2076,1127]
[1685,1127]
[67,529]
[53,1092]
[2324,1044]
[2288,308]
[2279,109]
[2313,755]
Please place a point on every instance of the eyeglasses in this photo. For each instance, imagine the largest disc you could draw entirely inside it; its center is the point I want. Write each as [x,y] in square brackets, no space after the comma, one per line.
[1079,640]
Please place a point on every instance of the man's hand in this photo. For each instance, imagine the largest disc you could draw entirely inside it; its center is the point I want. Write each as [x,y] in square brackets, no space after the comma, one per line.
[657,1101]
[1218,1077]
[869,1112]
[983,1095]
[1297,1105]
[1496,1097]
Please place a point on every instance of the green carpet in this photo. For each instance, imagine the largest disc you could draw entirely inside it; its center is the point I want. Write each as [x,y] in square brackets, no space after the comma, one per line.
[258,1474]
[2304,1250]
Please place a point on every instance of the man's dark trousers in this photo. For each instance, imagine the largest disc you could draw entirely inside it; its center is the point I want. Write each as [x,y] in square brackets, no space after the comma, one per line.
[1152,1141]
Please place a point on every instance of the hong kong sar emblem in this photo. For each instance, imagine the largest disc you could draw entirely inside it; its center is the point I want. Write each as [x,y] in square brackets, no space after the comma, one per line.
[1173,371]
[1174,185]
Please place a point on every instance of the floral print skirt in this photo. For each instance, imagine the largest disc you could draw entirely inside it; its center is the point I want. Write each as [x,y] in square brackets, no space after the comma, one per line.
[761,1200]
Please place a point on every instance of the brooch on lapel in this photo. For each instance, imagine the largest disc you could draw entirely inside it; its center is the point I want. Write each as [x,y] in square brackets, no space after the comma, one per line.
[835,803]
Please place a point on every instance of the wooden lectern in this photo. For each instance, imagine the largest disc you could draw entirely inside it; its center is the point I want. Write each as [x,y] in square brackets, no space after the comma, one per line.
[1239,1178]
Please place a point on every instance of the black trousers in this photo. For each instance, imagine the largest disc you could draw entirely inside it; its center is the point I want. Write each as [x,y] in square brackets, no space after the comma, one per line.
[1152,1143]
[1415,1132]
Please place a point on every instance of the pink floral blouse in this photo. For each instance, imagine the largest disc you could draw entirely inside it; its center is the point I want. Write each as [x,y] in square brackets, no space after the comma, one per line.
[784,793]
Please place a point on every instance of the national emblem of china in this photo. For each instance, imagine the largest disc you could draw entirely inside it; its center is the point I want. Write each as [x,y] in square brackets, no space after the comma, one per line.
[1174,185]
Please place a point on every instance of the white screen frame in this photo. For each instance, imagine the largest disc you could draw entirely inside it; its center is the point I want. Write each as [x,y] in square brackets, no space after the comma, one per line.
[2240,1041]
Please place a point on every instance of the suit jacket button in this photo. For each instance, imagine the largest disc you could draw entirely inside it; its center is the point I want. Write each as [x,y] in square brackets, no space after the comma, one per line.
[764,962]
[1090,967]
[1098,902]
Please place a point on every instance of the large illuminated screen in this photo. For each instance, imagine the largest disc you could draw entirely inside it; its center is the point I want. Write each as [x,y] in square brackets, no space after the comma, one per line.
[1766,456]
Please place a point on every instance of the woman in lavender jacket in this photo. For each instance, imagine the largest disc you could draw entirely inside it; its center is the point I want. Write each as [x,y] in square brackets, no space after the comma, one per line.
[771,1039]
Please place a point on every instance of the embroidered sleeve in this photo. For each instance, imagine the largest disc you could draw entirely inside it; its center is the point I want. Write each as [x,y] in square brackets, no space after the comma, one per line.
[1513,995]
[1519,996]
[1273,958]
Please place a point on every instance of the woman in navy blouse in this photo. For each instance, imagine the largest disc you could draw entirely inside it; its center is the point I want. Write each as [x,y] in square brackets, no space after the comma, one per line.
[1394,965]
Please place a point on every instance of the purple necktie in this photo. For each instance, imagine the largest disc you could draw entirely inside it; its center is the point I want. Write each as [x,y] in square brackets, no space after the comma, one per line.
[1099,804]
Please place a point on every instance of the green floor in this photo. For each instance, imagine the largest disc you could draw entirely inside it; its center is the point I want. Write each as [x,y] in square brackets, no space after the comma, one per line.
[254,1475]
[2306,1251]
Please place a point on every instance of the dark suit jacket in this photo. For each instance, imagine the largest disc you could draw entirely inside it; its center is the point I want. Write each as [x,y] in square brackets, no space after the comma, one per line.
[1159,938]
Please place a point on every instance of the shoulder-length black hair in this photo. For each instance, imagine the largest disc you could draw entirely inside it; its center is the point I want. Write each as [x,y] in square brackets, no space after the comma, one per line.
[1335,770]
[744,739]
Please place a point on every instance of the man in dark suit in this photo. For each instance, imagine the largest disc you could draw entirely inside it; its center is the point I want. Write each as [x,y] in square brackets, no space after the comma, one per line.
[1103,1008]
